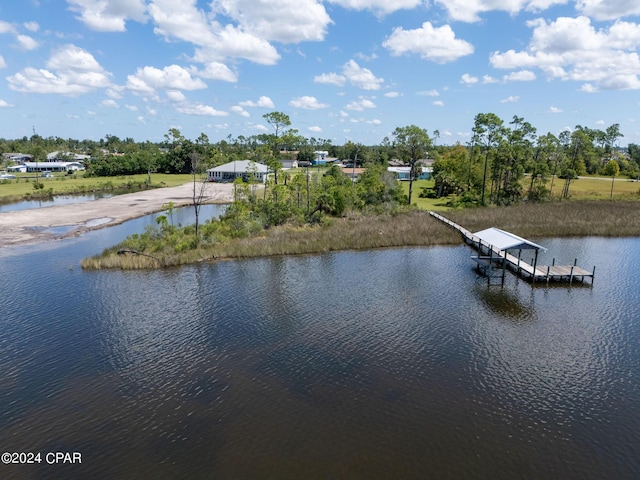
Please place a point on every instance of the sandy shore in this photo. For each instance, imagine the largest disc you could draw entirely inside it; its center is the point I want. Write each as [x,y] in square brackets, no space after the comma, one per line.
[51,223]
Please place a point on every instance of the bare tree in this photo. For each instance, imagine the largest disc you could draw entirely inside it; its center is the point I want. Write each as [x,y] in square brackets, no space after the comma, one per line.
[199,191]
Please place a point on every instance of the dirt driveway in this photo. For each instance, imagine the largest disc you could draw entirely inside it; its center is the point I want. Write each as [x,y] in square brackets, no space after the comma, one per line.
[50,223]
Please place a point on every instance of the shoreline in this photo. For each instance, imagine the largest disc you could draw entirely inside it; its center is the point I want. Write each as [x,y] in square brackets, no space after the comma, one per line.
[27,227]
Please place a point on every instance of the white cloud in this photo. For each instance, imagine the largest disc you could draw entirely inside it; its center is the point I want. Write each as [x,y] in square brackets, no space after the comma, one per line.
[109,103]
[361,77]
[572,49]
[540,5]
[607,9]
[553,109]
[132,108]
[439,103]
[263,102]
[217,71]
[521,76]
[175,96]
[148,79]
[353,73]
[360,104]
[382,7]
[315,129]
[74,72]
[6,27]
[305,20]
[5,104]
[393,94]
[469,10]
[488,79]
[468,79]
[375,121]
[141,119]
[200,109]
[108,16]
[25,42]
[240,111]
[307,103]
[186,22]
[510,99]
[183,21]
[115,91]
[331,79]
[31,26]
[3,64]
[439,44]
[430,93]
[588,88]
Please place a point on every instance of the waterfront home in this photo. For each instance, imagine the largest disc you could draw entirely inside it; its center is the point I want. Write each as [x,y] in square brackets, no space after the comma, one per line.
[238,169]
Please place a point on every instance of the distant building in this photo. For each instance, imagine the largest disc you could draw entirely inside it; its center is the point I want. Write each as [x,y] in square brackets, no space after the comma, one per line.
[27,167]
[17,157]
[238,169]
[322,157]
[67,157]
[289,163]
[402,173]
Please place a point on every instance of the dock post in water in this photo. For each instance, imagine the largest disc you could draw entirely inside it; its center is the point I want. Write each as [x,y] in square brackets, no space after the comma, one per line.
[500,242]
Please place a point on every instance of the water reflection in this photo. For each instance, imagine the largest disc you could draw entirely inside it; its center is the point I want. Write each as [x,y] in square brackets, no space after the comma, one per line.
[58,200]
[381,364]
[504,302]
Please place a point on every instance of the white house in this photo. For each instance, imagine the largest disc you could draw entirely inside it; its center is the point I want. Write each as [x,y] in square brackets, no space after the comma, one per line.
[46,166]
[402,173]
[322,157]
[238,168]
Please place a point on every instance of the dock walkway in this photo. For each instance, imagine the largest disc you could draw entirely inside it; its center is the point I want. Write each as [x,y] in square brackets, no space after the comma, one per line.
[491,260]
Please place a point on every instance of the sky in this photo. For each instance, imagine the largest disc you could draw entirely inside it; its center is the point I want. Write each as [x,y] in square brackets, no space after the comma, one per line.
[343,70]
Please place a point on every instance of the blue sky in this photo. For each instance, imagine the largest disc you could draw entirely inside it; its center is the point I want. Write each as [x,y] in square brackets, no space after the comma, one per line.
[341,69]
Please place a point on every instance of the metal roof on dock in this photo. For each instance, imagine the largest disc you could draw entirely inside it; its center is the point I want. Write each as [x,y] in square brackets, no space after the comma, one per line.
[505,240]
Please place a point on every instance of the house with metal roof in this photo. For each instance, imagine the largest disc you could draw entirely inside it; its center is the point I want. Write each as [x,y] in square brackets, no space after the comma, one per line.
[244,169]
[46,167]
[403,173]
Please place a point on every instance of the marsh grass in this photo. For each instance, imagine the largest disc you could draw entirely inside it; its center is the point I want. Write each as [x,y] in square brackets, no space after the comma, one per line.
[617,218]
[358,231]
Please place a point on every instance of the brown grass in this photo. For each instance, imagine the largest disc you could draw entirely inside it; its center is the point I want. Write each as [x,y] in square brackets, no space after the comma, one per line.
[414,228]
[557,219]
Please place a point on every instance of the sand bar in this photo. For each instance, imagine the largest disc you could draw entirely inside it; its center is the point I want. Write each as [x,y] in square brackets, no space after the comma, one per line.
[50,223]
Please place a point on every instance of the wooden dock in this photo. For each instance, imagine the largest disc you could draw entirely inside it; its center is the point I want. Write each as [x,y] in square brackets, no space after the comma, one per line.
[493,262]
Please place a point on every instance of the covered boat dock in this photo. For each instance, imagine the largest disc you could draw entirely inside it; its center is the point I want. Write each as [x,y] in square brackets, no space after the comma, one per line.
[499,250]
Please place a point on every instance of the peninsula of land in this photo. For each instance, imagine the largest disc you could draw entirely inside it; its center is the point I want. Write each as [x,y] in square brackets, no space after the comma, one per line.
[24,227]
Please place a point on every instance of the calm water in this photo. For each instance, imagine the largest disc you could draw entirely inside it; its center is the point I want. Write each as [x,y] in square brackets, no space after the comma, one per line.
[381,364]
[62,200]
[50,202]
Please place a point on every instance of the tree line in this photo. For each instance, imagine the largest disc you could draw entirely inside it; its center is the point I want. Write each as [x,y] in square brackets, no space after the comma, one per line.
[502,163]
[505,163]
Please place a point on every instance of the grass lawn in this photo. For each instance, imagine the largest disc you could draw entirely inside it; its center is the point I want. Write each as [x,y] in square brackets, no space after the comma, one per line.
[584,188]
[424,203]
[12,190]
[595,188]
